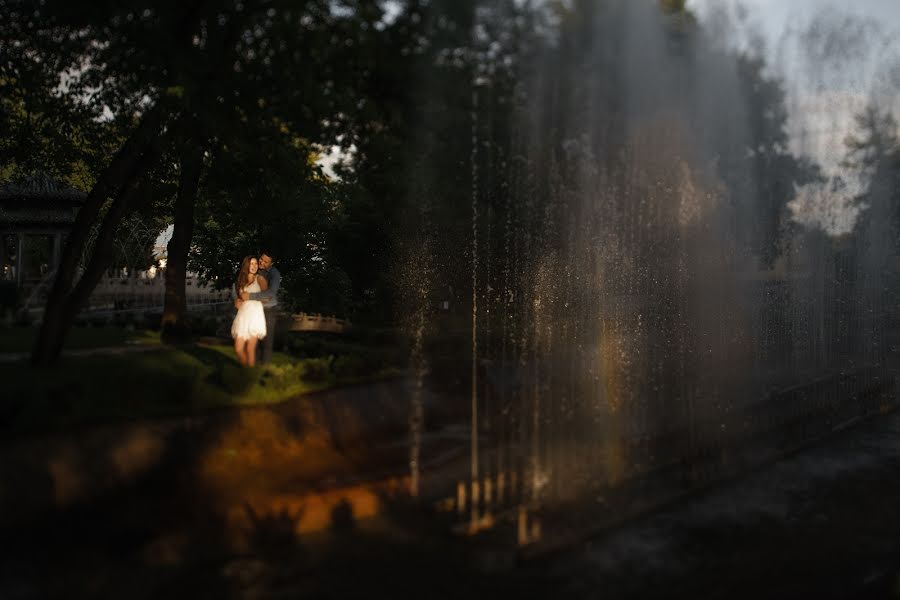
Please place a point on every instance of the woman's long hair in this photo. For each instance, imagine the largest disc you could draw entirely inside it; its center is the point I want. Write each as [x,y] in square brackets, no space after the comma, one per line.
[242,276]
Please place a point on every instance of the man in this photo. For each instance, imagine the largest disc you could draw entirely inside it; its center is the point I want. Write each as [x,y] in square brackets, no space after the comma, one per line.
[269,299]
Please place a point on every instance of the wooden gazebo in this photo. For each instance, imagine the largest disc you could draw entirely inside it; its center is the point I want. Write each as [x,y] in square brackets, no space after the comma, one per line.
[36,215]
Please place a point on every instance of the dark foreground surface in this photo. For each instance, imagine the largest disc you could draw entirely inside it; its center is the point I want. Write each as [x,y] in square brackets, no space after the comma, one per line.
[820,524]
[824,523]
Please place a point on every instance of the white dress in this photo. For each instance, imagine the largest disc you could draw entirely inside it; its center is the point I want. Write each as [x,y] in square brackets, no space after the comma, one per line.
[250,320]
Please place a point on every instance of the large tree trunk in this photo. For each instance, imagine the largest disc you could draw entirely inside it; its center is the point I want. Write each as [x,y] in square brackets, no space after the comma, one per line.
[175,323]
[119,181]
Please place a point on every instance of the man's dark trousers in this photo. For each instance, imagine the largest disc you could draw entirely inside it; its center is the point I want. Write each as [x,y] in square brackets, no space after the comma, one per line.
[266,345]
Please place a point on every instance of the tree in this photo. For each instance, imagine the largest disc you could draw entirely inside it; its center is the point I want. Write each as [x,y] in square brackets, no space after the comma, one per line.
[272,194]
[776,172]
[873,152]
[88,49]
[875,140]
[206,67]
[175,326]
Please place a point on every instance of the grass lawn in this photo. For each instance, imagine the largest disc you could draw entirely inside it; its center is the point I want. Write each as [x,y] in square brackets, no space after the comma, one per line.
[162,381]
[21,339]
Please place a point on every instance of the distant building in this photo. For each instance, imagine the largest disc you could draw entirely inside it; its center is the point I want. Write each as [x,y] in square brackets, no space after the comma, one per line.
[36,215]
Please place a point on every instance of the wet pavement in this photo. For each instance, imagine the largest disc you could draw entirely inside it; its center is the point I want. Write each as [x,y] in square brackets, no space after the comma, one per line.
[238,506]
[823,523]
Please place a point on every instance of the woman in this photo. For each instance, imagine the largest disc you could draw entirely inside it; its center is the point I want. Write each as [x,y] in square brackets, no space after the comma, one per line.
[249,324]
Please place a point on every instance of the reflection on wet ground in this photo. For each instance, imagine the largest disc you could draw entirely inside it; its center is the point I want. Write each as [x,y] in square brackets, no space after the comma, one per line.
[821,523]
[292,502]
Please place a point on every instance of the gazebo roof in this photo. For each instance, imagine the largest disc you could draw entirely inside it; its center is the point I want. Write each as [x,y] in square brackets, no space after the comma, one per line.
[41,186]
[39,201]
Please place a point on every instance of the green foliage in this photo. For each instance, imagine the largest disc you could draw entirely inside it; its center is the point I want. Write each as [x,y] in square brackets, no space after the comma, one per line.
[84,336]
[236,77]
[167,382]
[873,152]
[774,171]
[270,195]
[877,136]
[281,377]
[263,86]
[349,356]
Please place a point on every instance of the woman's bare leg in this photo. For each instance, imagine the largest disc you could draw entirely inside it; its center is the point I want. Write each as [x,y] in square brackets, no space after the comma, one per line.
[239,350]
[251,352]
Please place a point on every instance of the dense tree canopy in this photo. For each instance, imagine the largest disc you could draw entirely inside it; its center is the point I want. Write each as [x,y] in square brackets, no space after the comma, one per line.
[211,115]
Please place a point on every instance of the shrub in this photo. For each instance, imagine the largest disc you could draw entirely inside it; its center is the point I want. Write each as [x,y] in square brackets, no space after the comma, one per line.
[351,365]
[237,379]
[281,377]
[315,370]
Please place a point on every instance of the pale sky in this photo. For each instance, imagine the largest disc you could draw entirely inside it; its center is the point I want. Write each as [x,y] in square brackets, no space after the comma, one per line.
[775,15]
[834,57]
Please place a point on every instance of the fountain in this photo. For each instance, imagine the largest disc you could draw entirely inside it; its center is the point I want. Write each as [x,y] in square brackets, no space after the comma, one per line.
[642,321]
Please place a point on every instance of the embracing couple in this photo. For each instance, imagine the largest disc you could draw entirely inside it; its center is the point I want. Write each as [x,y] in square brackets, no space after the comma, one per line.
[255,294]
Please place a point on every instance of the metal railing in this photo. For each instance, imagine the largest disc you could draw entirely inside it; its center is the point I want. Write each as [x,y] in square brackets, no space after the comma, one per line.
[127,294]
